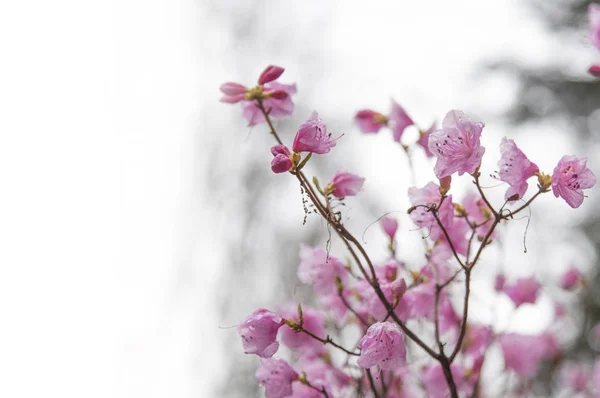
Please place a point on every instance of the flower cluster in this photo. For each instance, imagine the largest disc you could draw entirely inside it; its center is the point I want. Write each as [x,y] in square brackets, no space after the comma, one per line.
[416,337]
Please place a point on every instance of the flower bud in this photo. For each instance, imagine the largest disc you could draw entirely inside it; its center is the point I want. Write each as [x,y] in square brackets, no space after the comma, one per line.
[398,287]
[231,89]
[445,185]
[270,73]
[544,181]
[390,226]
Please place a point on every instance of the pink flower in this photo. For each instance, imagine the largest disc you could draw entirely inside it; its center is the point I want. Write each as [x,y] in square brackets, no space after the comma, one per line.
[319,270]
[234,92]
[276,104]
[458,235]
[514,168]
[438,267]
[270,73]
[523,354]
[390,226]
[571,176]
[312,136]
[346,184]
[399,121]
[559,310]
[524,290]
[275,97]
[457,145]
[320,374]
[383,345]
[424,139]
[576,377]
[421,300]
[398,287]
[594,16]
[477,339]
[478,213]
[499,282]
[570,278]
[427,196]
[281,161]
[369,121]
[276,376]
[594,70]
[314,322]
[259,332]
[371,304]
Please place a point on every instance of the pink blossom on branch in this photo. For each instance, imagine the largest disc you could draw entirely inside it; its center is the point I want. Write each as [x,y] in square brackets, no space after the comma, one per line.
[313,321]
[478,213]
[390,226]
[571,278]
[312,136]
[571,176]
[270,73]
[345,184]
[514,168]
[423,199]
[275,104]
[456,145]
[275,97]
[576,377]
[320,270]
[369,121]
[383,345]
[281,159]
[399,121]
[259,332]
[424,139]
[234,92]
[523,291]
[523,353]
[277,376]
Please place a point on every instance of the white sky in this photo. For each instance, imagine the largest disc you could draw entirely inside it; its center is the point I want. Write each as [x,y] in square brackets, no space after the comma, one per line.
[100,125]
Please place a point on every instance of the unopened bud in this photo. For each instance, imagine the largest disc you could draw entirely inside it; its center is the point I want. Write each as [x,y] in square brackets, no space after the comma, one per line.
[270,73]
[544,181]
[415,274]
[338,284]
[445,185]
[398,287]
[460,209]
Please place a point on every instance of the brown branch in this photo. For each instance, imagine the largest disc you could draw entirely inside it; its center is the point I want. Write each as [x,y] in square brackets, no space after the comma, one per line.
[485,199]
[356,314]
[321,390]
[265,113]
[326,341]
[463,326]
[372,382]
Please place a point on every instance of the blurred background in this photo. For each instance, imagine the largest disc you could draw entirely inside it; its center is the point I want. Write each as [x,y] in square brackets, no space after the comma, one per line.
[140,219]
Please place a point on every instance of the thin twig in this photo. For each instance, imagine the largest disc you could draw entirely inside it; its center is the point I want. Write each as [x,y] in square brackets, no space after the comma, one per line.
[372,382]
[328,340]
